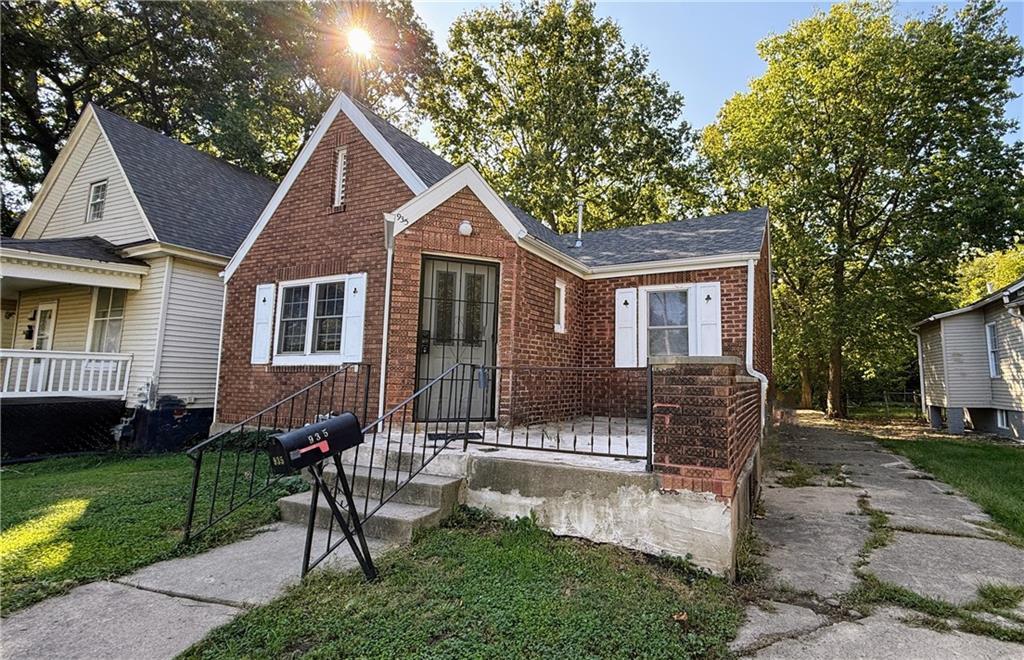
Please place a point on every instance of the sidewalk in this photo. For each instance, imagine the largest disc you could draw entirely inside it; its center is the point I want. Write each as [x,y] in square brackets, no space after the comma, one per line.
[161,610]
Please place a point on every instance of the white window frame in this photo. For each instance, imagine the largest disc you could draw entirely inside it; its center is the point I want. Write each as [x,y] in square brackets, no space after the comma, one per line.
[90,214]
[560,323]
[340,170]
[307,357]
[642,317]
[992,350]
[92,317]
[1002,419]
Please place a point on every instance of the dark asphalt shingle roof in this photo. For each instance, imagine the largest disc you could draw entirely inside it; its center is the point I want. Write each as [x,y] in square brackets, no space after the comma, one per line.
[732,233]
[740,232]
[190,198]
[83,247]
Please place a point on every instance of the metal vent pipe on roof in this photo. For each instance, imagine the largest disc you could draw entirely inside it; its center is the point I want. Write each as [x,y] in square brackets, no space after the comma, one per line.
[579,223]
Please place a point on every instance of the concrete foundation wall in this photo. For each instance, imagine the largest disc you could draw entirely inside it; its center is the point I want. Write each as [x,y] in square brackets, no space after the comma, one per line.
[606,506]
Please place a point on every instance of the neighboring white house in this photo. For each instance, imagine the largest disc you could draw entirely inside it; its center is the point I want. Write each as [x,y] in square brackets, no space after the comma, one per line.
[972,364]
[110,286]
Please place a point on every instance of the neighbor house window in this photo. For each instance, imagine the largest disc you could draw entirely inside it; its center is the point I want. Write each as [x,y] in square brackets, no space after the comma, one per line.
[97,199]
[1001,420]
[993,357]
[108,320]
[340,165]
[559,306]
[668,331]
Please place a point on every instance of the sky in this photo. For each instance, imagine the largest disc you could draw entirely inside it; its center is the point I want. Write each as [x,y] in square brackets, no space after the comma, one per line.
[707,50]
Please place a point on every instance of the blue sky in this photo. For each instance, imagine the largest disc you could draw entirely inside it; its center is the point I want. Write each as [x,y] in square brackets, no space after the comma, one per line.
[707,50]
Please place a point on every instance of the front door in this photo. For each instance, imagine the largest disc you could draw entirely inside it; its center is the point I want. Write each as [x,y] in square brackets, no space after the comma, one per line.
[42,340]
[458,324]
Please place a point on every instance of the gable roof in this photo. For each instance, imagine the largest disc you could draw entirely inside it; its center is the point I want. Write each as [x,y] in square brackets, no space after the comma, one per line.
[737,235]
[1013,290]
[190,198]
[93,248]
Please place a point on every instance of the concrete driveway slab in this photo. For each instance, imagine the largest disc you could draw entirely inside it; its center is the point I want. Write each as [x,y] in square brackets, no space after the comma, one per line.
[768,622]
[110,621]
[946,567]
[882,636]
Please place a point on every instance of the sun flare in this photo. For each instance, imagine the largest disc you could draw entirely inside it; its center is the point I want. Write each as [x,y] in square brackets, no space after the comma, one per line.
[360,42]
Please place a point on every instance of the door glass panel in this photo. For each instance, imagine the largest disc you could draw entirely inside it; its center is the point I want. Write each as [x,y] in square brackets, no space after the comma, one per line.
[472,331]
[43,329]
[444,307]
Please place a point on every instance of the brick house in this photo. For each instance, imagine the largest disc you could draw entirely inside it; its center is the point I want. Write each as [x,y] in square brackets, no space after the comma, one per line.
[376,251]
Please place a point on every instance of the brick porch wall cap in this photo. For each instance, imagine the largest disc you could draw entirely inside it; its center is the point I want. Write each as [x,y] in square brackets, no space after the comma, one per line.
[695,359]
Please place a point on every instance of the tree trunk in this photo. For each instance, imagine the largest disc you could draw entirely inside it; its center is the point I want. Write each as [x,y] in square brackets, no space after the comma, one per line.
[806,393]
[836,404]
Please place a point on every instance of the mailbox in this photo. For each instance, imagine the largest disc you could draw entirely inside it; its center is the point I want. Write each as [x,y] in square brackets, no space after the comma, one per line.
[306,446]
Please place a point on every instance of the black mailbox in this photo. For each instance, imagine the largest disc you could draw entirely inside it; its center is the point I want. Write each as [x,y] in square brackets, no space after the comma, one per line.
[306,446]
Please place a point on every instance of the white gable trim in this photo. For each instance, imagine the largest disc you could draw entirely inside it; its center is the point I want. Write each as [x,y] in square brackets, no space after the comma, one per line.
[341,103]
[88,115]
[464,177]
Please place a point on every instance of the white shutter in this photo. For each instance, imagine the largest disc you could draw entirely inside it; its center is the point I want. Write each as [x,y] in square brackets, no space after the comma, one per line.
[625,328]
[708,306]
[262,320]
[355,311]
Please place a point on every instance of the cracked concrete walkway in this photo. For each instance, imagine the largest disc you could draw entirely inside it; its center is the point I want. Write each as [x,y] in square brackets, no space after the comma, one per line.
[944,549]
[162,609]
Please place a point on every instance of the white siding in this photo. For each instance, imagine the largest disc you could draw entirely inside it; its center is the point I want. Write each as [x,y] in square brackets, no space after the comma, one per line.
[74,310]
[141,330]
[188,363]
[7,325]
[64,211]
[934,372]
[967,379]
[1008,388]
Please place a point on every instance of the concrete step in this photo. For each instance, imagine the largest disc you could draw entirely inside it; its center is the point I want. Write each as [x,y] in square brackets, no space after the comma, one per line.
[450,462]
[425,489]
[394,522]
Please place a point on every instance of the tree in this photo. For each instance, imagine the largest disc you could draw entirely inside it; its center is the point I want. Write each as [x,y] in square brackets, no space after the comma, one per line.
[244,81]
[995,270]
[879,149]
[552,106]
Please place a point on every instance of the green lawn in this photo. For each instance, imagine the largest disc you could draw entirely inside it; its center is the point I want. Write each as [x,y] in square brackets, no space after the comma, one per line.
[66,521]
[479,588]
[990,474]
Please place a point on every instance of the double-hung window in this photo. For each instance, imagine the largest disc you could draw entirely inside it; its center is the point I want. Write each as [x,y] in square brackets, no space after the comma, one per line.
[108,321]
[993,350]
[97,200]
[318,321]
[668,323]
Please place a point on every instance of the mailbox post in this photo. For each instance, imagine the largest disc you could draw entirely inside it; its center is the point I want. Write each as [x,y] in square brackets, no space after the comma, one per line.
[308,447]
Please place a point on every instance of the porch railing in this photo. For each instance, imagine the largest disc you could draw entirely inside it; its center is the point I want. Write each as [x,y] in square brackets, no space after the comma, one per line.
[232,468]
[28,373]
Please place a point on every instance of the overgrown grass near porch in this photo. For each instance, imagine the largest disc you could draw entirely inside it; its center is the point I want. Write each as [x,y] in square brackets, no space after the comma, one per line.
[66,521]
[991,474]
[478,588]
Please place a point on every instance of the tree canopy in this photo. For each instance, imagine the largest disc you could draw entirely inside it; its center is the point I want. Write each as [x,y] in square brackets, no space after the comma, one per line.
[552,106]
[878,146]
[995,270]
[246,81]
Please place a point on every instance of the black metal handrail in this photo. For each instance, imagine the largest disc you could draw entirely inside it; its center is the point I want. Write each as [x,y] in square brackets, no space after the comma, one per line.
[408,447]
[245,443]
[596,411]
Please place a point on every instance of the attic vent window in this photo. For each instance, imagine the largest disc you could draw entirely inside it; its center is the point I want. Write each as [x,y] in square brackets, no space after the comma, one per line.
[340,165]
[97,199]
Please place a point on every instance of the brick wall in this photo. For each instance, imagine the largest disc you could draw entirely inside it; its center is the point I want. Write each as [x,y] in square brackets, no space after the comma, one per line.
[707,423]
[307,237]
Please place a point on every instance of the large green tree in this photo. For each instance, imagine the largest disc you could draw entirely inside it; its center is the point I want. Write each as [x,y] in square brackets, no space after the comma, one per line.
[550,103]
[986,272]
[878,146]
[246,81]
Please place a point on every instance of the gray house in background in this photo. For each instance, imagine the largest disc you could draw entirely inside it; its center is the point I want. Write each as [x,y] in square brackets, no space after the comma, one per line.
[972,365]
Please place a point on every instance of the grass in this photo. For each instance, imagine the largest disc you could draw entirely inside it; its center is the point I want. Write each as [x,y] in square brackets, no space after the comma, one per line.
[66,521]
[990,474]
[879,411]
[478,587]
[797,474]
